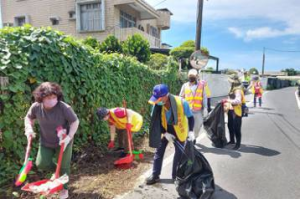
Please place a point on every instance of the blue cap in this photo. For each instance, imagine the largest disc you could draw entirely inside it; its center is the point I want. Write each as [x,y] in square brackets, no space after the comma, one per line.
[159,91]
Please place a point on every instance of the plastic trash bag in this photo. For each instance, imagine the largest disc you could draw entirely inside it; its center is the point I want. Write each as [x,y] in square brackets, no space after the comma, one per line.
[194,178]
[214,125]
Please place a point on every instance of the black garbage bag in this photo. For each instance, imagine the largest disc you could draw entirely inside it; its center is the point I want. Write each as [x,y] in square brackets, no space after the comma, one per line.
[214,125]
[194,178]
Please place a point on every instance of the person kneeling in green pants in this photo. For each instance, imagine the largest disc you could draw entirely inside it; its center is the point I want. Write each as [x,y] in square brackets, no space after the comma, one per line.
[51,112]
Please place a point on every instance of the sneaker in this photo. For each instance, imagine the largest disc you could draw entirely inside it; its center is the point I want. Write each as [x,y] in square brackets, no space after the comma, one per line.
[152,179]
[63,194]
[237,147]
[228,143]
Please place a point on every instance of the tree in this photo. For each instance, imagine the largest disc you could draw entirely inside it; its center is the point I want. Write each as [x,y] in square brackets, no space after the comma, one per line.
[185,50]
[290,71]
[110,45]
[137,46]
[158,61]
[92,42]
[253,71]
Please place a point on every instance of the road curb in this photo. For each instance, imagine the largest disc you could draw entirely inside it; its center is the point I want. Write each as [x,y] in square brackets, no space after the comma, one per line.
[166,161]
[297,99]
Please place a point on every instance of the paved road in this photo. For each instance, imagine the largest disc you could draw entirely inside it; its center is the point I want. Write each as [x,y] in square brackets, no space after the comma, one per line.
[266,166]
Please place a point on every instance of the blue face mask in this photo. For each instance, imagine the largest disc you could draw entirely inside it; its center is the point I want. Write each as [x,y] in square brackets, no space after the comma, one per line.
[161,103]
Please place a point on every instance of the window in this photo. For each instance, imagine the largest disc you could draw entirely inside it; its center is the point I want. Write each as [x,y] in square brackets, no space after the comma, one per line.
[91,16]
[154,32]
[127,20]
[20,21]
[72,15]
[54,20]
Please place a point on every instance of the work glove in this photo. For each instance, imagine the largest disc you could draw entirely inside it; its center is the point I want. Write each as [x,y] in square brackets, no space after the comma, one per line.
[60,133]
[169,137]
[30,133]
[66,141]
[128,127]
[191,136]
[111,145]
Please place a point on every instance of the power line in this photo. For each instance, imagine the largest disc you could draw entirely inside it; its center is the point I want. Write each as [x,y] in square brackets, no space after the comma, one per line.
[159,3]
[286,51]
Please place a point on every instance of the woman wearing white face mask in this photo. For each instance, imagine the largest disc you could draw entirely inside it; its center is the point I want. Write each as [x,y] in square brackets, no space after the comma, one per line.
[51,112]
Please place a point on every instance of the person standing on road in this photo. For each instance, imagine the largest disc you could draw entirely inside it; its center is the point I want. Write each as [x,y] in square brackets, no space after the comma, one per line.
[172,117]
[51,112]
[194,92]
[235,99]
[120,120]
[257,90]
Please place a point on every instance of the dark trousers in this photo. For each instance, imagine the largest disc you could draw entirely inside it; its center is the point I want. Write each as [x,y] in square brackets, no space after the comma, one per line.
[159,156]
[259,100]
[234,126]
[122,138]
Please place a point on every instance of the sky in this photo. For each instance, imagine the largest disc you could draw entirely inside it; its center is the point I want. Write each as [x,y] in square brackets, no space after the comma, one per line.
[236,31]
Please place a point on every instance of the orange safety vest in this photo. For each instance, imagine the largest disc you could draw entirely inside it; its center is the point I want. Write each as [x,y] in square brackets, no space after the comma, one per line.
[195,100]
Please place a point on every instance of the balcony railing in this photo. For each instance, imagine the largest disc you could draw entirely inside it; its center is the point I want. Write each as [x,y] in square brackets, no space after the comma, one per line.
[123,33]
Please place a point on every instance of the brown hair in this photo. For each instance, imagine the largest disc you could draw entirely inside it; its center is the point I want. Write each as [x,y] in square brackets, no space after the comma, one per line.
[46,89]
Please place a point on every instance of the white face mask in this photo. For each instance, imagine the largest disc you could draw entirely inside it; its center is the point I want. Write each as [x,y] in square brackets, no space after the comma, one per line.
[50,103]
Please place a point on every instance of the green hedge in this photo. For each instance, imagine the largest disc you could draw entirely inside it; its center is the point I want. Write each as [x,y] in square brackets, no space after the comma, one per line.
[29,56]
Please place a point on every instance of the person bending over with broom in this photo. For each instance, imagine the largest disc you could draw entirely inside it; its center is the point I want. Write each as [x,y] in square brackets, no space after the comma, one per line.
[51,112]
[120,120]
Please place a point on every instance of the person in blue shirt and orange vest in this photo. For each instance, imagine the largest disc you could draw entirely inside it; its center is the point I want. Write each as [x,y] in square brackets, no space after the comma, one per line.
[234,101]
[120,120]
[172,118]
[195,93]
[256,89]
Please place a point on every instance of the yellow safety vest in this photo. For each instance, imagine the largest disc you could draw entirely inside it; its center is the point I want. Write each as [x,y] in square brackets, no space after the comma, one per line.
[238,108]
[206,88]
[195,101]
[120,123]
[181,128]
[257,86]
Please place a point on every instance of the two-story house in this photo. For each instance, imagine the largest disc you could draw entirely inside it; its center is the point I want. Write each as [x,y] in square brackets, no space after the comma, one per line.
[96,18]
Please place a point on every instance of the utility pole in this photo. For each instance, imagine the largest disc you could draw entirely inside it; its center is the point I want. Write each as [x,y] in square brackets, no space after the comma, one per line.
[263,63]
[199,24]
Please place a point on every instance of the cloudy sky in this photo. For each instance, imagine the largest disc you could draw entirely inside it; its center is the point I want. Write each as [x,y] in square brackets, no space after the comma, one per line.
[236,31]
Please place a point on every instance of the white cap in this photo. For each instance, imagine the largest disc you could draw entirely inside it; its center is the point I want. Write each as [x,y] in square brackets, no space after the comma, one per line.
[193,72]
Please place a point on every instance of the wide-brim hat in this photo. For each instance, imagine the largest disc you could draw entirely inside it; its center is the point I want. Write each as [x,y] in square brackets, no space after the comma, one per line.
[234,78]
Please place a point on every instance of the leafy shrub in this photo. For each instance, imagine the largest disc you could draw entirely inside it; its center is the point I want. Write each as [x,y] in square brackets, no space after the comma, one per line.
[92,42]
[30,56]
[138,47]
[110,45]
[158,61]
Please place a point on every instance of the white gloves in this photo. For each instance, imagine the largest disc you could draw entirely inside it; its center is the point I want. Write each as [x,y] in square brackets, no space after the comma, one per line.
[30,133]
[169,137]
[66,141]
[191,136]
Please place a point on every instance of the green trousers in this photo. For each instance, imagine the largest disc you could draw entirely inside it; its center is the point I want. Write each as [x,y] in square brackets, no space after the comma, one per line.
[47,158]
